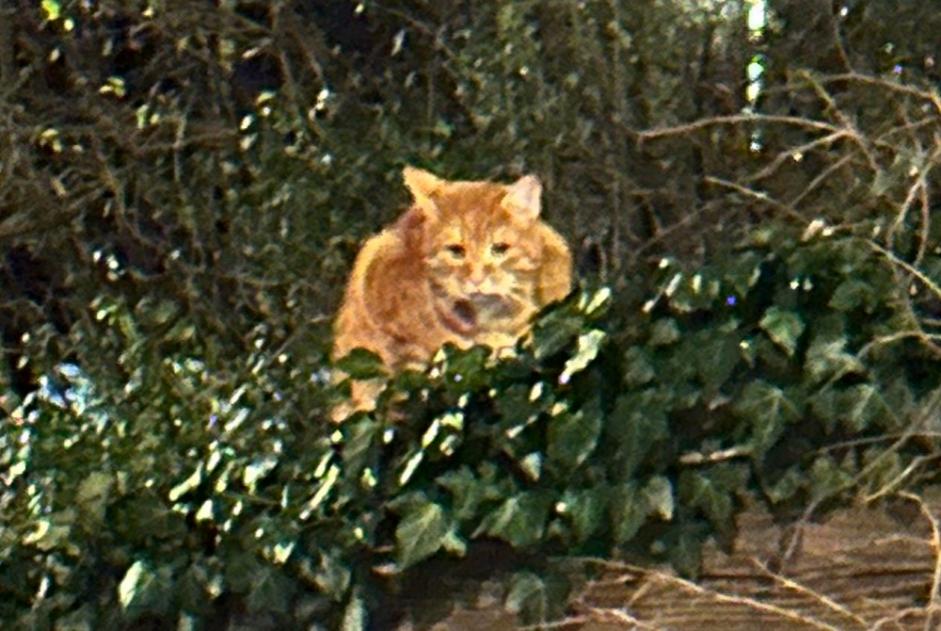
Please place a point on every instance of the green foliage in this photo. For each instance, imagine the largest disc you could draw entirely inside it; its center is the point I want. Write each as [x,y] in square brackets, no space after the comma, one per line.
[594,437]
[186,184]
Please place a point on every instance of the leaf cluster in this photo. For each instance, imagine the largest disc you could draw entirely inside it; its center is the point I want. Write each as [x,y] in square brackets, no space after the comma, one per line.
[612,429]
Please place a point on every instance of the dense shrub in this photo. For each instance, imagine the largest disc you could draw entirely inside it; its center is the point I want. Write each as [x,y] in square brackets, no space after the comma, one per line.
[183,187]
[202,493]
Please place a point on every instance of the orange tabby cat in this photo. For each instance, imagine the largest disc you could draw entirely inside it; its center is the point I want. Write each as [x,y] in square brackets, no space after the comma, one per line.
[469,263]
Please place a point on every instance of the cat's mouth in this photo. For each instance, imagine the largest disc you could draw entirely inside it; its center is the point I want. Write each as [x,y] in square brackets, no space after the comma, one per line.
[492,306]
[466,313]
[469,313]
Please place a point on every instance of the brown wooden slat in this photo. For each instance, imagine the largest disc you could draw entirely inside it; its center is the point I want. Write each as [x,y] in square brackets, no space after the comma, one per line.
[857,568]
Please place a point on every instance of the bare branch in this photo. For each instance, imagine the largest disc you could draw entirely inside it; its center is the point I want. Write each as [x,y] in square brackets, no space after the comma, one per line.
[736,119]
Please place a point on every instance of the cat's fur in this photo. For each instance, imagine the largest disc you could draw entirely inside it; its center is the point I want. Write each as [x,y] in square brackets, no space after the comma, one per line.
[469,263]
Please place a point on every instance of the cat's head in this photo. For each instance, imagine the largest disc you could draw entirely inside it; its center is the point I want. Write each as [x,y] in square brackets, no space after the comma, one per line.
[477,237]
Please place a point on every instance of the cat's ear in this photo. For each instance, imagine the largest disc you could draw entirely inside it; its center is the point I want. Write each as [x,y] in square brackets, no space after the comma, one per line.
[421,184]
[523,198]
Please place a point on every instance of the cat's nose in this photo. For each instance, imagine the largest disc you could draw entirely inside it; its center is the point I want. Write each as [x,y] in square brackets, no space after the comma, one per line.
[477,277]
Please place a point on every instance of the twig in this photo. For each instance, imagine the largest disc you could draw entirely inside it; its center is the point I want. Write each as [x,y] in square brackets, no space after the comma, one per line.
[838,41]
[895,620]
[824,175]
[610,614]
[757,195]
[744,601]
[894,483]
[871,440]
[847,125]
[894,86]
[735,119]
[925,224]
[917,189]
[928,410]
[914,271]
[882,340]
[556,624]
[934,599]
[696,457]
[791,151]
[791,584]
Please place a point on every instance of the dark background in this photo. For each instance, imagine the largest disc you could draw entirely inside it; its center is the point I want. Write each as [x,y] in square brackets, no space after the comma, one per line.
[139,164]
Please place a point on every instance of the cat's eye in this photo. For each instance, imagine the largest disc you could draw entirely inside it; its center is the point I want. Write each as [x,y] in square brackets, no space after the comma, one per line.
[455,249]
[500,248]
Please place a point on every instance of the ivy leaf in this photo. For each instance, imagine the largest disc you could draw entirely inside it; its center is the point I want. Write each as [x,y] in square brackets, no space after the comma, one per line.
[144,516]
[715,355]
[520,520]
[271,591]
[864,405]
[783,327]
[136,580]
[403,503]
[898,396]
[466,490]
[635,425]
[711,492]
[466,369]
[766,409]
[240,571]
[359,439]
[527,592]
[520,401]
[658,494]
[554,332]
[828,478]
[664,332]
[787,486]
[143,589]
[595,304]
[588,345]
[853,293]
[536,599]
[686,551]
[361,364]
[332,576]
[572,437]
[454,544]
[354,616]
[420,533]
[743,272]
[92,496]
[638,367]
[586,509]
[628,510]
[698,491]
[827,405]
[827,360]
[191,589]
[409,381]
[156,314]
